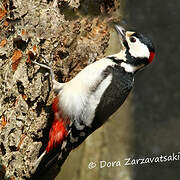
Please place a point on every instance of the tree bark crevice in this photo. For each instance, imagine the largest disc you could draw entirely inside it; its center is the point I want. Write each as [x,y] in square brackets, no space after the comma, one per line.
[29,30]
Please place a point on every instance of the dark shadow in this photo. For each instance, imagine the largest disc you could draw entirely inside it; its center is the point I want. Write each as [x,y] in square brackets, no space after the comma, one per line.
[156,96]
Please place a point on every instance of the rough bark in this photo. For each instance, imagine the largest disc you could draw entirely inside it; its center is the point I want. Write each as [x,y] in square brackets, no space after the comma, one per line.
[72,34]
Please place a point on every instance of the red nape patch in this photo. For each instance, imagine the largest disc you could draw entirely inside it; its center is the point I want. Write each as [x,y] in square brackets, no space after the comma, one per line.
[57,134]
[151,57]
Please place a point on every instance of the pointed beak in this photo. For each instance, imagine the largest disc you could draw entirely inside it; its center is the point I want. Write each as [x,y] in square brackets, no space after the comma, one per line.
[121,32]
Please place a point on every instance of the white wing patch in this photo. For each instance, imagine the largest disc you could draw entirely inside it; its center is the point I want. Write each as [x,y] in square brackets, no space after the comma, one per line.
[94,100]
[130,68]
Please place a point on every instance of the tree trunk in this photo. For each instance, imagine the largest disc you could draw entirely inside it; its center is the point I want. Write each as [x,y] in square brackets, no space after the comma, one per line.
[72,34]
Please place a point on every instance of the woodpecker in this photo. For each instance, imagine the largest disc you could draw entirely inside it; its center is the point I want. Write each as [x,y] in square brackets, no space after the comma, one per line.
[85,103]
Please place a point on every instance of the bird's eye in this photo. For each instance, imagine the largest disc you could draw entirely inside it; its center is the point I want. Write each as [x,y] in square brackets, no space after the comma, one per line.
[132,39]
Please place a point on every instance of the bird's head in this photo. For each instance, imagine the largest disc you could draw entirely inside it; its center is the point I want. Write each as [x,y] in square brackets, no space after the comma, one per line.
[138,49]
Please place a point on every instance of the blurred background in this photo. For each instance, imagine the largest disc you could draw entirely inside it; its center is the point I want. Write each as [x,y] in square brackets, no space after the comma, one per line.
[148,123]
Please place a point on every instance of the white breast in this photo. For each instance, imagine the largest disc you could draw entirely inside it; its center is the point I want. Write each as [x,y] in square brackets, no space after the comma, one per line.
[76,97]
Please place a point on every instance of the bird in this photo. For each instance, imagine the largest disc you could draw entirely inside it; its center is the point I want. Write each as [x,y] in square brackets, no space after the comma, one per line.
[85,103]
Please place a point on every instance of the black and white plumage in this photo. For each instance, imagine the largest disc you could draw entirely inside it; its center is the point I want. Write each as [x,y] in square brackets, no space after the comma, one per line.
[84,103]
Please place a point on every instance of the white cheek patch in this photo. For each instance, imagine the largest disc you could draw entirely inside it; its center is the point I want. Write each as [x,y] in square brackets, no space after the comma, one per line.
[138,49]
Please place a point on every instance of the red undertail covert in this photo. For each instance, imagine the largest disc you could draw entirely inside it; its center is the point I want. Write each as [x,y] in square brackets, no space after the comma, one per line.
[58,130]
